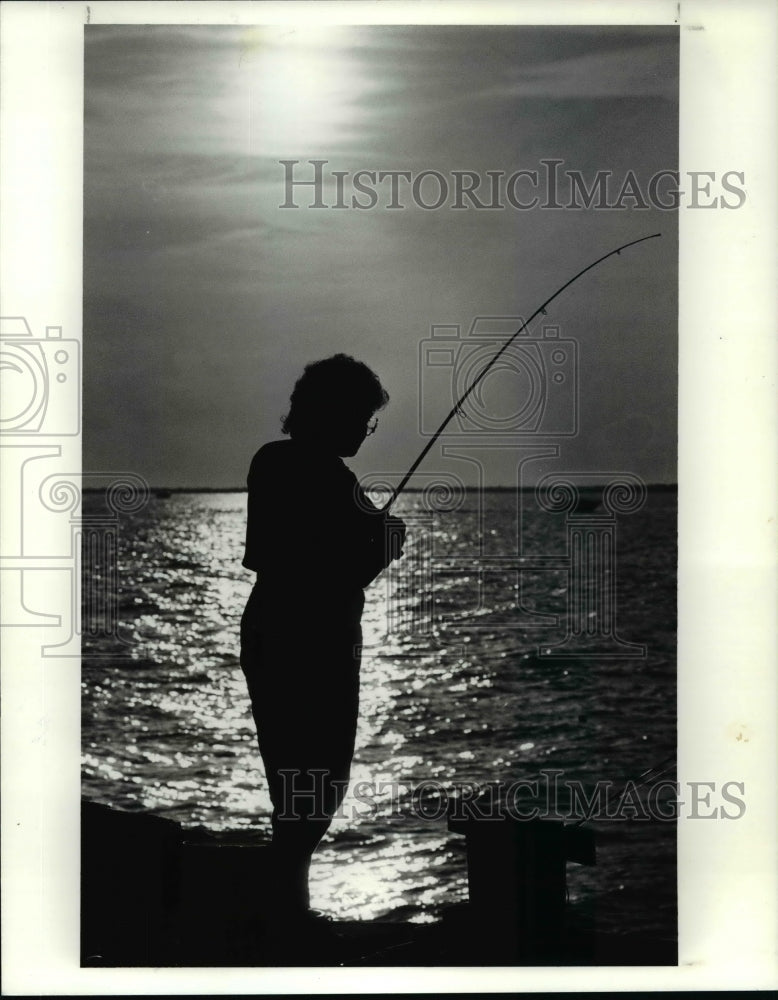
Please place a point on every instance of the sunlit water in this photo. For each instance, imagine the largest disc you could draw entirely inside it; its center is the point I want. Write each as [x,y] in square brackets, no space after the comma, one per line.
[453,691]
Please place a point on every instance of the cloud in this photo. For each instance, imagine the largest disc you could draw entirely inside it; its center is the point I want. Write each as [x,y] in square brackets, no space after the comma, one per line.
[203,299]
[648,71]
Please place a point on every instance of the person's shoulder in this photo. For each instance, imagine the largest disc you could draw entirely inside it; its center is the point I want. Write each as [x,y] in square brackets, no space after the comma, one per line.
[274,450]
[273,455]
[290,458]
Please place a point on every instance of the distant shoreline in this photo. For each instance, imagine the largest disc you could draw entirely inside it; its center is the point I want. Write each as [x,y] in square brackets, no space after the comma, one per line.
[653,487]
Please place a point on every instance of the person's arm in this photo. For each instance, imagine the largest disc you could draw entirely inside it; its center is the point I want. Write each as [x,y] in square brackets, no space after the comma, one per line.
[384,536]
[315,527]
[384,544]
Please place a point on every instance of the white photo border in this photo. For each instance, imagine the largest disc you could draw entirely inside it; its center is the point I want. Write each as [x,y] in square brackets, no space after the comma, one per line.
[727,493]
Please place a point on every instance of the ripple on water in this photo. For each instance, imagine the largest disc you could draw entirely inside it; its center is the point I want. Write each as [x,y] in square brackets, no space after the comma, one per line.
[461,696]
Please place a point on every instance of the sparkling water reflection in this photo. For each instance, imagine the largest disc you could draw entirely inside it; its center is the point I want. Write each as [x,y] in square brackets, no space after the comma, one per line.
[459,696]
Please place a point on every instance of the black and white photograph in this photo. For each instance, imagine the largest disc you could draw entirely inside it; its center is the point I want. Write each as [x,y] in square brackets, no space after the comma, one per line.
[348,502]
[361,218]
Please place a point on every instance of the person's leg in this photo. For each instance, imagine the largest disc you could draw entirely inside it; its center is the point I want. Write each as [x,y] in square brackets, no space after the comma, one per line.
[300,819]
[319,736]
[306,724]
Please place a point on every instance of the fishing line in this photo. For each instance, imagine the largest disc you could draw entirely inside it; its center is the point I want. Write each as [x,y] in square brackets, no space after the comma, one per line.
[650,774]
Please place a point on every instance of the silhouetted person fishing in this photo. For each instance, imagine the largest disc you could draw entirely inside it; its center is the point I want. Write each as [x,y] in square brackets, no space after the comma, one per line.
[315,541]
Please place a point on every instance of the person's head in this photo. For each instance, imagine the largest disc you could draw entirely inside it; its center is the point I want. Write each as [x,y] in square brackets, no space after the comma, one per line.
[333,403]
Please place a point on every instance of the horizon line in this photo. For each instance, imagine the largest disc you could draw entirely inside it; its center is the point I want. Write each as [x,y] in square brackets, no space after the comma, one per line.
[408,489]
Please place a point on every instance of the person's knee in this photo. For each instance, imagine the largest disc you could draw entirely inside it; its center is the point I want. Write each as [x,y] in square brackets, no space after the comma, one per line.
[297,839]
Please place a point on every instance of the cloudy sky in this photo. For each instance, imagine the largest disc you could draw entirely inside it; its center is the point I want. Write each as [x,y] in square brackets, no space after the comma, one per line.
[203,298]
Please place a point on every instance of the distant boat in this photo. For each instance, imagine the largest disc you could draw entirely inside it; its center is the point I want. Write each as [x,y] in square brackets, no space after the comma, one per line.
[162,494]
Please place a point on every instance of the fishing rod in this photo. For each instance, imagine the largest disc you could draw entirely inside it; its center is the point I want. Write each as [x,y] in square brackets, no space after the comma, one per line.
[456,407]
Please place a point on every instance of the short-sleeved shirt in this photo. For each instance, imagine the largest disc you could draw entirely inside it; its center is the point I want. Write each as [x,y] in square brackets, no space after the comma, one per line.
[312,534]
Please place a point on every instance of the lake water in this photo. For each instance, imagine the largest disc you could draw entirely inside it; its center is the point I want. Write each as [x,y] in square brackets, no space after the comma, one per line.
[456,689]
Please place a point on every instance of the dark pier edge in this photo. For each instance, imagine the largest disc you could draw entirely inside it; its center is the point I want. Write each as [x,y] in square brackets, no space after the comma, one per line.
[156,895]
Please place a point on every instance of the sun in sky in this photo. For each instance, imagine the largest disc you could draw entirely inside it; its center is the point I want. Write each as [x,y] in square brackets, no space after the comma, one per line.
[304,85]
